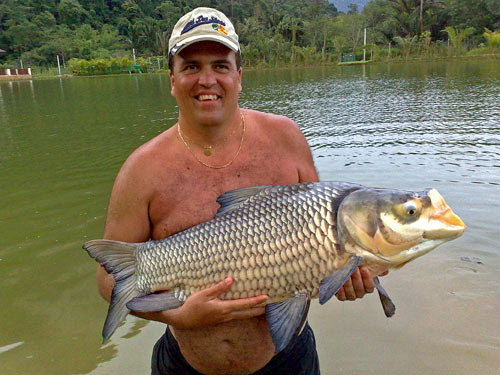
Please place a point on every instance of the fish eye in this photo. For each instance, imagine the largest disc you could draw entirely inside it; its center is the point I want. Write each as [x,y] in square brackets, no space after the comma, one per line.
[410,209]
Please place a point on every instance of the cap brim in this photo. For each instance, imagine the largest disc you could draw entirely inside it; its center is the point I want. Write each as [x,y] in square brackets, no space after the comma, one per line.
[200,38]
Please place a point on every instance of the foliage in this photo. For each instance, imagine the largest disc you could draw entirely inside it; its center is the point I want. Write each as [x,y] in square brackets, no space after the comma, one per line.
[492,38]
[272,32]
[108,66]
[457,36]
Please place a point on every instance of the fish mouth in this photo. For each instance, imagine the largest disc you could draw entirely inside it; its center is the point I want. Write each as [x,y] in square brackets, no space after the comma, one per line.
[444,224]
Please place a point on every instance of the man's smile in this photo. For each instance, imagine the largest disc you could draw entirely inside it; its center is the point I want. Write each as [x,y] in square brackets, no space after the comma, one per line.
[205,97]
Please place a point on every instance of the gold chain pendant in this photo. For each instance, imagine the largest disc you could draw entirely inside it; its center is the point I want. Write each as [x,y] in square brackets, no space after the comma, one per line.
[207,151]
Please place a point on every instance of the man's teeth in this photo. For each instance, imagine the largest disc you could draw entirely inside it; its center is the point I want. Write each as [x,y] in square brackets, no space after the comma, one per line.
[207,97]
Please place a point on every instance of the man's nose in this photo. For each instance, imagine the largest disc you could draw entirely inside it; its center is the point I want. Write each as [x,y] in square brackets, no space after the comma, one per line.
[207,77]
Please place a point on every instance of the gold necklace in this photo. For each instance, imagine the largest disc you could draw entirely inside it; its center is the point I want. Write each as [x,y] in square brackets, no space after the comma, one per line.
[215,166]
[207,149]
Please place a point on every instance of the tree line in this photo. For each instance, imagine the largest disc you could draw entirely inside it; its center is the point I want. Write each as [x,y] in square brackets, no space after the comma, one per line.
[271,32]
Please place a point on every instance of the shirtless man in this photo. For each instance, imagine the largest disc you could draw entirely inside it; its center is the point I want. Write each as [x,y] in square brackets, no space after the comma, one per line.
[172,182]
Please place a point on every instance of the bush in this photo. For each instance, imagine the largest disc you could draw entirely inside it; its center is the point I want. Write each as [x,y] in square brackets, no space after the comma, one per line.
[99,66]
[480,51]
[492,38]
[126,61]
[144,64]
[78,66]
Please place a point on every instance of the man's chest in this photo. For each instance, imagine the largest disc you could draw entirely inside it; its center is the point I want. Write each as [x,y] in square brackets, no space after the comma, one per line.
[190,196]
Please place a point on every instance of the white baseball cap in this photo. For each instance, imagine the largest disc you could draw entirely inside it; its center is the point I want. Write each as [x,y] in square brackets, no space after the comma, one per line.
[203,24]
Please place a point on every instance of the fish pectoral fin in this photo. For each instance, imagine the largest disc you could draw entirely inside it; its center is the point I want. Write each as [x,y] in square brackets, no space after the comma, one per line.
[154,302]
[387,304]
[331,285]
[287,319]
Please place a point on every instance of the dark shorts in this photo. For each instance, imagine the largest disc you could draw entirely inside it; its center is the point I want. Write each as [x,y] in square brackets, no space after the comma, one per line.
[298,358]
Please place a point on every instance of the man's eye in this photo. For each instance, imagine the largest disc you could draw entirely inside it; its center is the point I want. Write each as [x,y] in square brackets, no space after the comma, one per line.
[190,67]
[222,67]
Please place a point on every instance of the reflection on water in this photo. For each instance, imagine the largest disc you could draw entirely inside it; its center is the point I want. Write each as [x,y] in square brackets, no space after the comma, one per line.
[407,126]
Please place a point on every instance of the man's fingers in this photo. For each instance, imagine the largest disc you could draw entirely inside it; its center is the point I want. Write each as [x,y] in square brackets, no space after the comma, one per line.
[341,294]
[245,308]
[350,294]
[357,284]
[245,303]
[367,280]
[219,288]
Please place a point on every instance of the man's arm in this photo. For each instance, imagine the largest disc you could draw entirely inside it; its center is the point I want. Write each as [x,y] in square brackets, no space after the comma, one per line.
[128,220]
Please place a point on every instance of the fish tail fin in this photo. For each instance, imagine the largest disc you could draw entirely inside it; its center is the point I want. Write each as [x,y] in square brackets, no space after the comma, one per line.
[118,258]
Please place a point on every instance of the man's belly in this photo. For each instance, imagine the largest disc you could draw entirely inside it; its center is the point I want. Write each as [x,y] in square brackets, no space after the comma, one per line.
[235,347]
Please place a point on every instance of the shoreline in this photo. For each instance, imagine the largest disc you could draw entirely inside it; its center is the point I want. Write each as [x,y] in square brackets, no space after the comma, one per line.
[423,59]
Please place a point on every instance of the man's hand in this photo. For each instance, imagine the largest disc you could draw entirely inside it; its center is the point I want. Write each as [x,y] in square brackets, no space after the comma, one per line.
[204,308]
[360,283]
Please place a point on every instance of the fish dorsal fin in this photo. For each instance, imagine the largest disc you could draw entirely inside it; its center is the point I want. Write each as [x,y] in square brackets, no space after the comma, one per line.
[233,199]
[287,318]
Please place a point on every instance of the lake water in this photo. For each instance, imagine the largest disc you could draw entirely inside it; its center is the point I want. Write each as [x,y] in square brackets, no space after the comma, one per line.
[407,126]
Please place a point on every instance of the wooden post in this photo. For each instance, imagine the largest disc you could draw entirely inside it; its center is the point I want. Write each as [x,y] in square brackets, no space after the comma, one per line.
[58,65]
[421,13]
[364,48]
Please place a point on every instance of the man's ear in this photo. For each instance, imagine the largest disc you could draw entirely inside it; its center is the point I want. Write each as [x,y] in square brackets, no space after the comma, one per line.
[239,80]
[172,83]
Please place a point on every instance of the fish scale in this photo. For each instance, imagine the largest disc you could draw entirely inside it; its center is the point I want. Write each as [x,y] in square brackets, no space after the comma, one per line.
[238,258]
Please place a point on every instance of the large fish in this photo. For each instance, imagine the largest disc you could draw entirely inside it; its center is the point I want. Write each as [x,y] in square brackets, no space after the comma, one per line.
[293,243]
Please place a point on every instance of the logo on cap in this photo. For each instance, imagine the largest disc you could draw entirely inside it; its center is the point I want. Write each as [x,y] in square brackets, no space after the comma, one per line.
[219,28]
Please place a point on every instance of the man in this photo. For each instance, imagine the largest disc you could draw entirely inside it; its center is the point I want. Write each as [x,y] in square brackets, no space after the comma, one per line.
[172,182]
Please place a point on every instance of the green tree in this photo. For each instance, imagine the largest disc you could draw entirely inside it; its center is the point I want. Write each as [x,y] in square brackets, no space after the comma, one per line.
[479,14]
[71,12]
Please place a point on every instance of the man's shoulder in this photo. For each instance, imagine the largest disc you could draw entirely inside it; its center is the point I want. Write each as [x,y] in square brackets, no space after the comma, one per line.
[284,137]
[270,119]
[146,156]
[275,126]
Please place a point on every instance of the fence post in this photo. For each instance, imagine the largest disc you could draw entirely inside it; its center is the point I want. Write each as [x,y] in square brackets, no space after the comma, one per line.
[58,65]
[364,49]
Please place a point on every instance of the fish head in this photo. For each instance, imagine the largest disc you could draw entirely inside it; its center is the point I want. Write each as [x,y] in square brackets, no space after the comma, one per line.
[394,227]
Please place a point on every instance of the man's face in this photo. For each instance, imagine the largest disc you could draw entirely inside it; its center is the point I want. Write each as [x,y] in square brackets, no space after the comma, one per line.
[206,83]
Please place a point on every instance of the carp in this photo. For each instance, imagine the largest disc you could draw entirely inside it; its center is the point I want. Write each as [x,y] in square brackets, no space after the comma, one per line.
[292,243]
